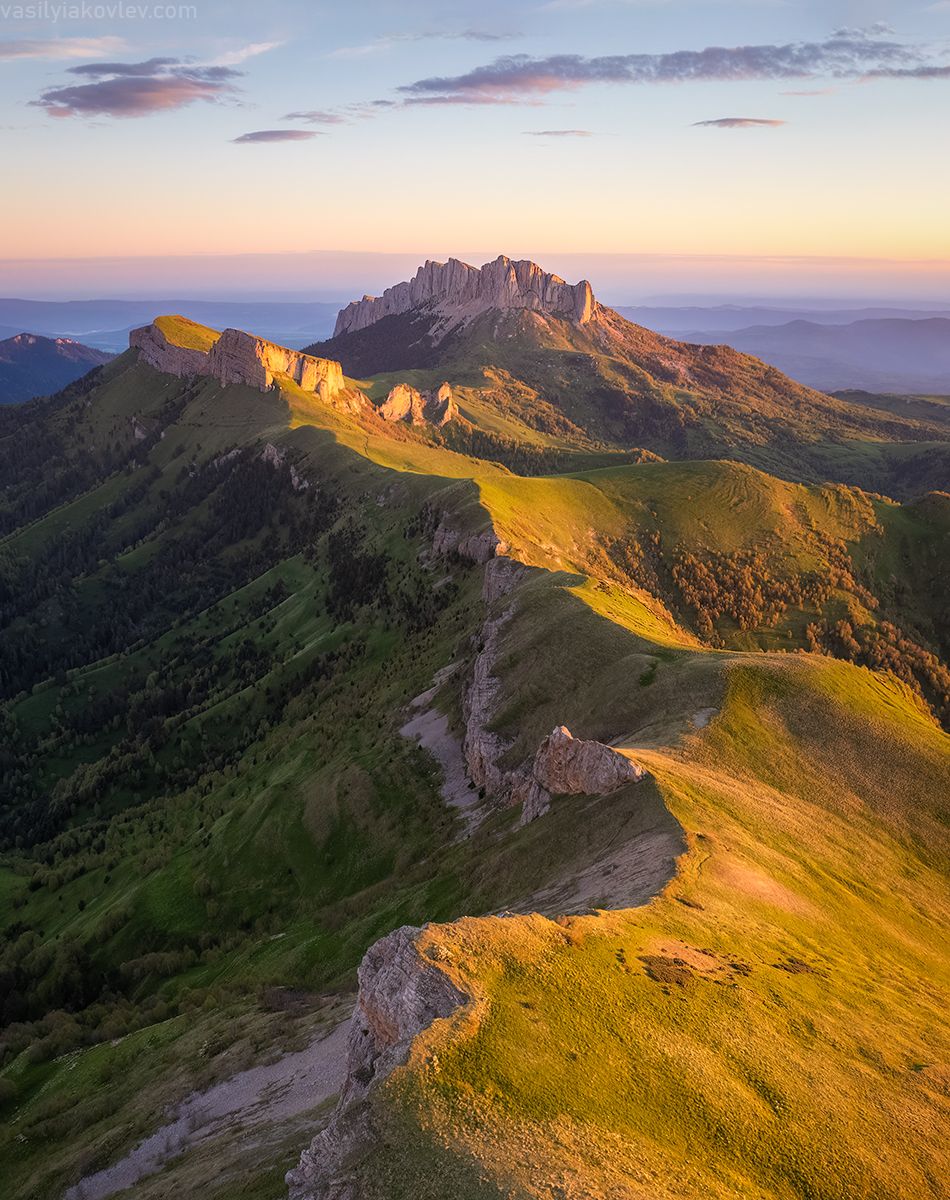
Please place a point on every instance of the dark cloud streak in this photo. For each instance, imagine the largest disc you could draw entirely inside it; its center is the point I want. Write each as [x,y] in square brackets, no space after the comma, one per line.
[740,123]
[277,135]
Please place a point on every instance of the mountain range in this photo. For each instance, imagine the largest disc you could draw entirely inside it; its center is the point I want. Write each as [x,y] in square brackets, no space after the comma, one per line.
[883,355]
[35,366]
[496,751]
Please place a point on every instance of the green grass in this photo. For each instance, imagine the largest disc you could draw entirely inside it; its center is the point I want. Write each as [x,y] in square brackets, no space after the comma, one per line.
[813,804]
[738,1076]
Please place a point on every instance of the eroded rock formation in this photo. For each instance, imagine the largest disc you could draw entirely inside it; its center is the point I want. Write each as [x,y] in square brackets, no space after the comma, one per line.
[406,403]
[401,992]
[568,766]
[458,291]
[236,357]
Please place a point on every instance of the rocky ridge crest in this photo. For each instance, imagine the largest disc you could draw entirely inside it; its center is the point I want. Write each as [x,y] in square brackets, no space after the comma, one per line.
[457,291]
[401,992]
[240,358]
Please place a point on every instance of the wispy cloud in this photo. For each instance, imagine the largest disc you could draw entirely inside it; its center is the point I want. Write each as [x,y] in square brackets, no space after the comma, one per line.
[344,115]
[559,133]
[137,89]
[234,58]
[846,54]
[827,91]
[740,123]
[386,41]
[924,71]
[277,135]
[316,116]
[60,48]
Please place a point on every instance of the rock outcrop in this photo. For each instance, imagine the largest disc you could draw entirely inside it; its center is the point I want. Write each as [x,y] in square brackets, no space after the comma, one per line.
[401,993]
[155,349]
[478,548]
[457,292]
[406,403]
[568,766]
[235,357]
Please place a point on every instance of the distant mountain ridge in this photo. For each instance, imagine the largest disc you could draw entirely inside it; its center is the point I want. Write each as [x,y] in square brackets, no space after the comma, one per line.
[884,354]
[31,365]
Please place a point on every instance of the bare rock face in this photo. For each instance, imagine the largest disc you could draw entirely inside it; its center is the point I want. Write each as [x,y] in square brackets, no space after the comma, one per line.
[440,406]
[478,548]
[240,358]
[155,349]
[458,291]
[568,766]
[400,994]
[405,403]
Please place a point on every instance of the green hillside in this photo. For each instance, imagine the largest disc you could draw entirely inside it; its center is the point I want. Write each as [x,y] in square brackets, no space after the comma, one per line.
[206,660]
[532,386]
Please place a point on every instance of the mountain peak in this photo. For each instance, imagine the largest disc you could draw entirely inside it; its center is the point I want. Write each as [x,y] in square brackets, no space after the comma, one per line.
[457,291]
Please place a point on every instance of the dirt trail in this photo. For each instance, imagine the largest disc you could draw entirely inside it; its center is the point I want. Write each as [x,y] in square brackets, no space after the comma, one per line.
[293,1084]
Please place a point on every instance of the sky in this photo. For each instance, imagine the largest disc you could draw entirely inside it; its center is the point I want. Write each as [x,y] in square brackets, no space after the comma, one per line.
[661,146]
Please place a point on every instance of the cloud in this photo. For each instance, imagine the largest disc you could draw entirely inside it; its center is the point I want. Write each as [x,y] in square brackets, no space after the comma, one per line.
[387,40]
[846,54]
[137,89]
[277,135]
[828,91]
[559,133]
[358,111]
[60,48]
[740,123]
[315,116]
[233,58]
[922,72]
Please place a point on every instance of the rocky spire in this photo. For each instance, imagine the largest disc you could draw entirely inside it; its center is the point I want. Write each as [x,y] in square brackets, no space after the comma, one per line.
[457,291]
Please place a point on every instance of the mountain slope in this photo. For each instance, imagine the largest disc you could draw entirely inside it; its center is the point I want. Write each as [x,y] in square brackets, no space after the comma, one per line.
[31,365]
[277,676]
[528,370]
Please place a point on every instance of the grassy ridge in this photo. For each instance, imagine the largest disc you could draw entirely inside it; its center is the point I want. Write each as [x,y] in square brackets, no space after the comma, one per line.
[307,826]
[762,1028]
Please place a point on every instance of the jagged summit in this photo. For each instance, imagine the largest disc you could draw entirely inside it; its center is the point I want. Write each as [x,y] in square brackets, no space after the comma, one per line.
[458,291]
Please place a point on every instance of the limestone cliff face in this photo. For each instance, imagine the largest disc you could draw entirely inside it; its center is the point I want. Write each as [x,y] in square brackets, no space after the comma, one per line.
[240,358]
[401,993]
[457,291]
[405,403]
[155,349]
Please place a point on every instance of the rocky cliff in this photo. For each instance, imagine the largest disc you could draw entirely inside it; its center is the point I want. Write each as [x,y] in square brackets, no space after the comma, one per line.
[406,403]
[235,357]
[401,992]
[457,291]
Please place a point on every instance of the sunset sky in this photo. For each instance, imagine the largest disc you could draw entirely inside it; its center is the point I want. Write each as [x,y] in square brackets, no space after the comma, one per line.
[802,130]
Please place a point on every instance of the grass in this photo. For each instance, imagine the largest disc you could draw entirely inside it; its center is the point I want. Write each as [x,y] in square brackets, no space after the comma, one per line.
[758,1029]
[813,809]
